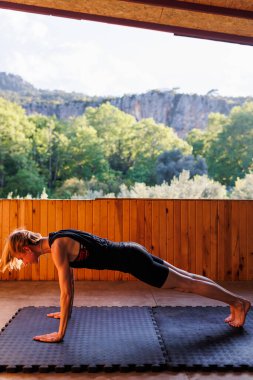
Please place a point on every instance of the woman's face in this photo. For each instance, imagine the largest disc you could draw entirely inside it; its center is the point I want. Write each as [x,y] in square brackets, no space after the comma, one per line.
[28,256]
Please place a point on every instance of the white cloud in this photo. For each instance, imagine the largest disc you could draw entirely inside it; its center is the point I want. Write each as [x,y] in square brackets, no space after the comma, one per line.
[101,59]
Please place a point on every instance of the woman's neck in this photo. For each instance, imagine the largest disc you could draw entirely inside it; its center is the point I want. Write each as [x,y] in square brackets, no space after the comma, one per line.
[44,246]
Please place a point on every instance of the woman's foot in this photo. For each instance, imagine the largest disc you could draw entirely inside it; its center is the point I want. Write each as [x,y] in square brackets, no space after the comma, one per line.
[231,316]
[238,314]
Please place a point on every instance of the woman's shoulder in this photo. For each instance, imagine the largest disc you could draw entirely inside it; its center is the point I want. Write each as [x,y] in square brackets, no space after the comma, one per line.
[64,233]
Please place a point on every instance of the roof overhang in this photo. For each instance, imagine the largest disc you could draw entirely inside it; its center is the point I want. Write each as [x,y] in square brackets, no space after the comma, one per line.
[220,20]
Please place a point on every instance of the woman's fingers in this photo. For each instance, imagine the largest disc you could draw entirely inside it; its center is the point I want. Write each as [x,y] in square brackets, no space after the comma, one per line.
[48,338]
[56,315]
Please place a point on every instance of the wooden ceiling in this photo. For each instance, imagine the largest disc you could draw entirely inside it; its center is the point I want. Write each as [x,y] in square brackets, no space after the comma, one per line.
[221,20]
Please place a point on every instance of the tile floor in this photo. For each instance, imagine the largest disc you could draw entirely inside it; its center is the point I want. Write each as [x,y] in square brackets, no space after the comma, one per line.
[14,295]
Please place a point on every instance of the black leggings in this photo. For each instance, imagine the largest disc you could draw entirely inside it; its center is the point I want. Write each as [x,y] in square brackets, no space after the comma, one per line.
[136,260]
[130,257]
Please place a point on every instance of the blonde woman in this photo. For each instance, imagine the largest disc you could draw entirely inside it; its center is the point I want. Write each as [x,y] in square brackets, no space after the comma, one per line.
[78,249]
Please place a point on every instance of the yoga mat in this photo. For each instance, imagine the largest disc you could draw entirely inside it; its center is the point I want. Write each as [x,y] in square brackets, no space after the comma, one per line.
[128,339]
[97,338]
[197,338]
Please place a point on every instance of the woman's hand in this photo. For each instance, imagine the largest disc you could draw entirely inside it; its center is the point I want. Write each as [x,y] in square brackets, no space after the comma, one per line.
[56,315]
[49,338]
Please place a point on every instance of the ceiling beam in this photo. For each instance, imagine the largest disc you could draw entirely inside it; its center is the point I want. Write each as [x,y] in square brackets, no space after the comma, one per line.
[176,30]
[197,7]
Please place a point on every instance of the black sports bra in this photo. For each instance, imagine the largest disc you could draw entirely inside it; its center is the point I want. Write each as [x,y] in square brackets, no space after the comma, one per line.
[89,243]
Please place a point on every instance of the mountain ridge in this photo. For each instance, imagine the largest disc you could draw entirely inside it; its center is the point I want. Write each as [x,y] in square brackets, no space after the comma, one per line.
[182,112]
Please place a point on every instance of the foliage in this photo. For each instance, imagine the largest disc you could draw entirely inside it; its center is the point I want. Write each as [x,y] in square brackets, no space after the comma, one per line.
[182,187]
[149,140]
[50,148]
[243,188]
[16,168]
[71,187]
[106,152]
[229,154]
[86,151]
[196,138]
[171,163]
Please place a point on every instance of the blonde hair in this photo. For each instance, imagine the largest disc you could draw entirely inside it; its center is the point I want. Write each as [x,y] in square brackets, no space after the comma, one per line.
[15,242]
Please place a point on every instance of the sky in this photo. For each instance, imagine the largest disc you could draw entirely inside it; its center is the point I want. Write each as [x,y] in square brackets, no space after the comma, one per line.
[103,60]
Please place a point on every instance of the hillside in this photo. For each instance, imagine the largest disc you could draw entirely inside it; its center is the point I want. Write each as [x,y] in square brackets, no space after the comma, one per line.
[182,112]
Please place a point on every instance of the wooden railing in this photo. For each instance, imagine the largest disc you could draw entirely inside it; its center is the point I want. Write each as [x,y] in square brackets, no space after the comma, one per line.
[209,237]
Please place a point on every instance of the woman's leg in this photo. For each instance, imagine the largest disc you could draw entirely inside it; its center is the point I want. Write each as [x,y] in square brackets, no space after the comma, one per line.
[238,306]
[188,274]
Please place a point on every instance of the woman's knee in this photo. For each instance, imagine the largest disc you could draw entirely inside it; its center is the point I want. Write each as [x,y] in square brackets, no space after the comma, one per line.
[179,282]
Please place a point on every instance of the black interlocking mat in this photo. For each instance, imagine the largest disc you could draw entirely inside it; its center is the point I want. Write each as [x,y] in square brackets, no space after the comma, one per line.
[196,338]
[128,339]
[98,338]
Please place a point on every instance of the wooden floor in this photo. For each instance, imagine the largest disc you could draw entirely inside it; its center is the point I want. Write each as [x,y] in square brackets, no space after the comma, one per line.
[16,294]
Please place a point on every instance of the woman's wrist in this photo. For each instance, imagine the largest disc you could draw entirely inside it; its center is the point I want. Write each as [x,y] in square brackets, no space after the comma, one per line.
[60,335]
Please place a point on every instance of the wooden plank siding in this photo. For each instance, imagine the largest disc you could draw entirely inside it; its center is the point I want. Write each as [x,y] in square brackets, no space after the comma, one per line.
[208,237]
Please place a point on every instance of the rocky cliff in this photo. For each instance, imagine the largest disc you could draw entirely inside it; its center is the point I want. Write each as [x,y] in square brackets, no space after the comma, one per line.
[182,112]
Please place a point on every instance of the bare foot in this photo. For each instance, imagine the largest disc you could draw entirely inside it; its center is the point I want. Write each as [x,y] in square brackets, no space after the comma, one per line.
[231,317]
[239,310]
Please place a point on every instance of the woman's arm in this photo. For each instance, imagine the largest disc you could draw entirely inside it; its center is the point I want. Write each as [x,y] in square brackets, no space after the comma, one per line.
[65,298]
[72,290]
[60,258]
[57,314]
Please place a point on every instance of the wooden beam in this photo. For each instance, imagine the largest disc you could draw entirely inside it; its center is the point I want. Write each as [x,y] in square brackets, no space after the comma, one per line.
[197,7]
[177,30]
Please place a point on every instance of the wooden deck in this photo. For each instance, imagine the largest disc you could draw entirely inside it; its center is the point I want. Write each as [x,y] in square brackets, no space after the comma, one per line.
[209,237]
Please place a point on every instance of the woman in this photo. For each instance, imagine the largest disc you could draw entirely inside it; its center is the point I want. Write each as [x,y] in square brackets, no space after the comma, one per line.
[77,249]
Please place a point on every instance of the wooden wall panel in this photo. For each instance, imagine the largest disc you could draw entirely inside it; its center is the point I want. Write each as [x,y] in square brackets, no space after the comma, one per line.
[5,229]
[177,232]
[36,227]
[208,237]
[235,239]
[228,241]
[96,231]
[214,215]
[80,273]
[58,224]
[184,262]
[111,229]
[243,233]
[199,238]
[249,251]
[118,230]
[126,227]
[147,222]
[104,233]
[44,232]
[51,224]
[170,232]
[192,236]
[163,229]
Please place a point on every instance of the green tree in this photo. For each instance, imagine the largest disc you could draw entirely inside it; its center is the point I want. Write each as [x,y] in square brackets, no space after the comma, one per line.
[25,181]
[196,138]
[171,163]
[71,187]
[229,153]
[149,140]
[200,140]
[87,151]
[114,127]
[16,132]
[50,149]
